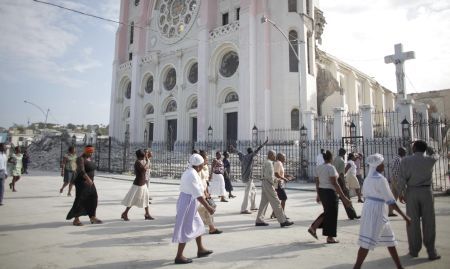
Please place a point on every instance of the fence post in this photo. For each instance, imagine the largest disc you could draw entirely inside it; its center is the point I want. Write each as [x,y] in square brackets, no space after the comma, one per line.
[367,121]
[338,122]
[405,109]
[109,154]
[308,119]
[424,124]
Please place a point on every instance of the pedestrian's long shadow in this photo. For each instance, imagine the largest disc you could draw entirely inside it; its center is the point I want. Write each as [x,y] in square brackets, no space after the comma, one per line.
[30,197]
[406,261]
[139,241]
[131,264]
[34,226]
[116,226]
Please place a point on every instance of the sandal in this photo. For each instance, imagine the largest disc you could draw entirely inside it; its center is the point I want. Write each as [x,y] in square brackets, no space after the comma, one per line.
[77,223]
[124,217]
[96,221]
[334,241]
[313,233]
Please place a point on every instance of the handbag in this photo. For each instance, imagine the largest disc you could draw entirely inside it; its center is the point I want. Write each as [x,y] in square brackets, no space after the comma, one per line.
[211,202]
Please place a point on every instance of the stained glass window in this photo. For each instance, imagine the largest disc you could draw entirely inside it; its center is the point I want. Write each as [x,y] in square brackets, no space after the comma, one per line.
[229,64]
[171,106]
[231,97]
[193,73]
[128,91]
[149,85]
[171,79]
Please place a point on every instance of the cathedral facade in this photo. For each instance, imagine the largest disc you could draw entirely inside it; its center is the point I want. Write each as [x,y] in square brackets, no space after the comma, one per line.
[192,70]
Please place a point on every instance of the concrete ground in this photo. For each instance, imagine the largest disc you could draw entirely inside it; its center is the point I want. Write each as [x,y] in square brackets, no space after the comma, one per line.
[35,234]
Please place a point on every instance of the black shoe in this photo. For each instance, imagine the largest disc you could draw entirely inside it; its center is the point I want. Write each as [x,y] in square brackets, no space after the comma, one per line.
[414,255]
[392,215]
[246,212]
[217,231]
[434,257]
[261,224]
[286,223]
[204,254]
[181,261]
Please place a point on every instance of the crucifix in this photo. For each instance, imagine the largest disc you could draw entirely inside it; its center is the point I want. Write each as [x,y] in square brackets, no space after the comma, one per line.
[399,59]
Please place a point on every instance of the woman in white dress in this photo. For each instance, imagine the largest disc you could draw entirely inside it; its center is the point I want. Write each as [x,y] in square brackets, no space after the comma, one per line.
[188,224]
[350,176]
[375,229]
[138,193]
[217,183]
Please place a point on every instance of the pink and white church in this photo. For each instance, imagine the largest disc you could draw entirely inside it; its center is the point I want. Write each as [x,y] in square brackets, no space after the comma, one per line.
[188,69]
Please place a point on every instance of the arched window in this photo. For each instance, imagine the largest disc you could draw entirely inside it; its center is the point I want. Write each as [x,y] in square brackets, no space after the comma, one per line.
[293,61]
[171,106]
[131,32]
[229,64]
[231,97]
[171,79]
[127,113]
[292,5]
[150,110]
[149,85]
[194,104]
[128,91]
[193,73]
[295,120]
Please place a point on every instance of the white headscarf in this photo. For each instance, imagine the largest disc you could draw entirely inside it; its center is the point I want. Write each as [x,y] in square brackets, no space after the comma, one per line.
[196,160]
[374,161]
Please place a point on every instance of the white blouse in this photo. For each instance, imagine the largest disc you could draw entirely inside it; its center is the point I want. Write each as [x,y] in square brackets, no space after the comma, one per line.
[191,183]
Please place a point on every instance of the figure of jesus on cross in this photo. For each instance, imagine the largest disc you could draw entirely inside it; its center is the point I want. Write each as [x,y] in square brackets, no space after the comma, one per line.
[399,59]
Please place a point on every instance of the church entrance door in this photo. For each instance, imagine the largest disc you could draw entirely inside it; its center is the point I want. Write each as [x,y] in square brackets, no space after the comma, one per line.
[171,134]
[231,128]
[150,134]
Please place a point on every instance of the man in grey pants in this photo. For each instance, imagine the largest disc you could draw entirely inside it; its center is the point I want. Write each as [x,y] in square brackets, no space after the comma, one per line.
[415,180]
[269,195]
[246,172]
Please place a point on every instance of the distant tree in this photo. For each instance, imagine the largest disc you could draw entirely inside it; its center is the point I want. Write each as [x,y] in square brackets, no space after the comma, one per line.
[71,126]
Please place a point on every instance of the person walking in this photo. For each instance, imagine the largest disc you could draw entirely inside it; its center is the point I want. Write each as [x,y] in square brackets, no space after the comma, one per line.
[227,174]
[328,189]
[3,171]
[350,176]
[15,162]
[217,183]
[283,178]
[375,228]
[269,195]
[393,182]
[86,198]
[68,170]
[339,164]
[148,155]
[138,193]
[188,223]
[246,176]
[207,218]
[25,162]
[359,168]
[414,185]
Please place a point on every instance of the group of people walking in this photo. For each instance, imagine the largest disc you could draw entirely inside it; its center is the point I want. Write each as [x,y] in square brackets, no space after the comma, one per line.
[410,183]
[14,165]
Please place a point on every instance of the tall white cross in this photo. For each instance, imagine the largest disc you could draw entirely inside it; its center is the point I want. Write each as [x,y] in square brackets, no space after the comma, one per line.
[399,59]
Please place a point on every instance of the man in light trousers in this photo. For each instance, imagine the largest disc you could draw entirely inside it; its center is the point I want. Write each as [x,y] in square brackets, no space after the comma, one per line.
[269,195]
[246,172]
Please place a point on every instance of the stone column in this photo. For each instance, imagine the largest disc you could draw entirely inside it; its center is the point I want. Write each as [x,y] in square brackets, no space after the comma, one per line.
[114,117]
[136,108]
[308,121]
[423,124]
[405,111]
[367,121]
[338,122]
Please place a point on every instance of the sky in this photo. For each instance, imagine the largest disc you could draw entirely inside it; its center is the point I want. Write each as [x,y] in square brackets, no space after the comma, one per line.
[62,61]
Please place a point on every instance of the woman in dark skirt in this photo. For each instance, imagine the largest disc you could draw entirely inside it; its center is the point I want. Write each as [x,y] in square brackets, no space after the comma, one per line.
[327,190]
[86,194]
[226,174]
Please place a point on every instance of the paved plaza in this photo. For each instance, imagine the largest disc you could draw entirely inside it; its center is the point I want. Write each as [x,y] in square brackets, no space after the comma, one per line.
[35,234]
